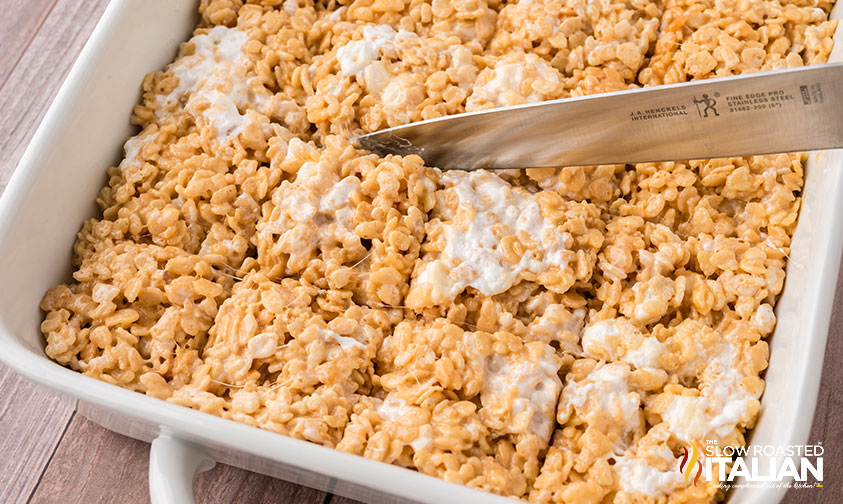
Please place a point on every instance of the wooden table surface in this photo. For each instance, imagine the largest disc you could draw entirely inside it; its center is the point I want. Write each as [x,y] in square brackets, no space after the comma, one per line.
[50,454]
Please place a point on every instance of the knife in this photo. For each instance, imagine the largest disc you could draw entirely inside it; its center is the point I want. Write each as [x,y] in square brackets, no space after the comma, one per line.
[763,113]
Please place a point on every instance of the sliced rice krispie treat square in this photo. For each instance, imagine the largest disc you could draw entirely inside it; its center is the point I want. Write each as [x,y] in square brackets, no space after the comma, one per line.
[601,424]
[377,76]
[710,393]
[347,221]
[606,39]
[471,407]
[276,359]
[487,235]
[695,384]
[701,237]
[472,21]
[515,78]
[714,390]
[137,315]
[700,39]
[197,174]
[171,190]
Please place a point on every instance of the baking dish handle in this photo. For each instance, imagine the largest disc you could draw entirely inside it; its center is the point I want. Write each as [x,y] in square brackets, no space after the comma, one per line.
[173,464]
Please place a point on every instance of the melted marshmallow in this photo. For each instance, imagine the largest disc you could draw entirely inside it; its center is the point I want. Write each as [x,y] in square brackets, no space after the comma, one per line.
[345,342]
[132,149]
[214,85]
[555,322]
[472,255]
[722,405]
[532,386]
[636,476]
[262,345]
[507,82]
[393,408]
[359,57]
[608,338]
[609,392]
[319,200]
[647,354]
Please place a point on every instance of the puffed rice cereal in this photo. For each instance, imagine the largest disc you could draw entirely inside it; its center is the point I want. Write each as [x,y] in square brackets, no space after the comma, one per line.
[552,335]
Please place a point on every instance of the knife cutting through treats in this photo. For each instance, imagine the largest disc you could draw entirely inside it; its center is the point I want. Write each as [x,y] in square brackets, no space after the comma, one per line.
[763,113]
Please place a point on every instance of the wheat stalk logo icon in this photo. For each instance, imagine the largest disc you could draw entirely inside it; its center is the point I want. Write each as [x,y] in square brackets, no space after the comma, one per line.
[687,466]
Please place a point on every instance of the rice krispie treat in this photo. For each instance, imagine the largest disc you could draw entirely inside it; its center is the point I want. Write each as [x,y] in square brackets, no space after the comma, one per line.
[702,38]
[377,76]
[348,221]
[276,359]
[553,335]
[610,38]
[137,315]
[471,407]
[488,236]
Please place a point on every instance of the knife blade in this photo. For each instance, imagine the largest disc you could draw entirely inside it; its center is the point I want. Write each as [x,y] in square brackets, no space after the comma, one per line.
[763,113]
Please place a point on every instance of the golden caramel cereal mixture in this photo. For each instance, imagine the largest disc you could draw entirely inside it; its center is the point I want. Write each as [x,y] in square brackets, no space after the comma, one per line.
[553,335]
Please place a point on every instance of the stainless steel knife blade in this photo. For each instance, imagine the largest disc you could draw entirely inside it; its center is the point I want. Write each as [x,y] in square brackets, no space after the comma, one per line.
[763,113]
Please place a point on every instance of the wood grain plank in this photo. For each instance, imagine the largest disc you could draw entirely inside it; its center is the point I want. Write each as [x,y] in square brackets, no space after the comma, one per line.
[831,438]
[225,483]
[93,464]
[35,80]
[18,25]
[32,420]
[336,499]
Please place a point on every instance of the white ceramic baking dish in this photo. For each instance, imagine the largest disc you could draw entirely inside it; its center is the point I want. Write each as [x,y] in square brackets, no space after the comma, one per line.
[53,190]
